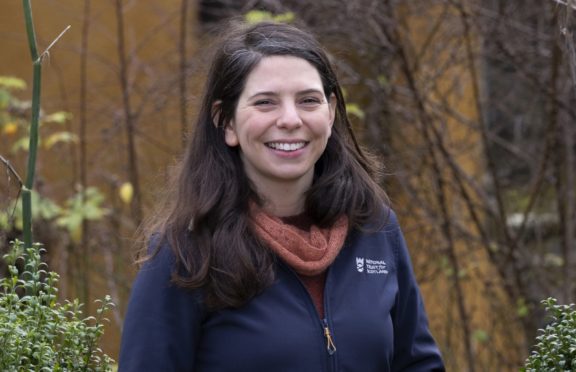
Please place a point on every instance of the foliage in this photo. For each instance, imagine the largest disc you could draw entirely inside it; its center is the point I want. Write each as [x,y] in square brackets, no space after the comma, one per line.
[36,332]
[255,16]
[45,209]
[15,115]
[354,109]
[84,205]
[14,124]
[555,349]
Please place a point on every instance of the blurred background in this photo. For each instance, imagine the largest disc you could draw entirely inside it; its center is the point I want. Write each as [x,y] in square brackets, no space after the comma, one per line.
[470,103]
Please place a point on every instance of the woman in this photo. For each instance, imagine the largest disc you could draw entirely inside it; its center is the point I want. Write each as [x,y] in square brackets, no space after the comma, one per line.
[275,250]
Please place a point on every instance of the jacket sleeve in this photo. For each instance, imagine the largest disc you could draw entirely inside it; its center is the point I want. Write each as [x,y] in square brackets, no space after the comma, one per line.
[414,347]
[162,323]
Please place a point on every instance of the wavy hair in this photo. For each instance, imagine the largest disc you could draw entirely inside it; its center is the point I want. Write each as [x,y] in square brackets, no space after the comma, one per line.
[205,215]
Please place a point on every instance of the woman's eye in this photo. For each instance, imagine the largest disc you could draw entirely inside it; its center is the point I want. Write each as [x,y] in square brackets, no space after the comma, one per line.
[263,102]
[311,101]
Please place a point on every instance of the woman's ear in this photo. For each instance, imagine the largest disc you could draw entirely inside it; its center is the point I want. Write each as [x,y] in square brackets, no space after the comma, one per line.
[332,102]
[215,114]
[229,133]
[230,136]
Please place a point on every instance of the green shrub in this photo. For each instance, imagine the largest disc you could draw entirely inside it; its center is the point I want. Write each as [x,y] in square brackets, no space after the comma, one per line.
[36,332]
[555,349]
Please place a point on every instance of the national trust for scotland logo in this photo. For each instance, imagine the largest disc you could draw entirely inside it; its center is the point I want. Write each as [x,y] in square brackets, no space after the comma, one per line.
[360,264]
[371,266]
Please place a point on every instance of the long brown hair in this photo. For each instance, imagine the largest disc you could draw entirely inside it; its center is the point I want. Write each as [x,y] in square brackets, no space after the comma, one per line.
[205,216]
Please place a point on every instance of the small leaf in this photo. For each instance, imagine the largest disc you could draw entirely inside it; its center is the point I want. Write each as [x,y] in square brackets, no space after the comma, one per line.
[284,17]
[59,117]
[126,192]
[10,82]
[354,109]
[5,98]
[10,128]
[480,335]
[22,144]
[55,138]
[521,308]
[383,80]
[256,16]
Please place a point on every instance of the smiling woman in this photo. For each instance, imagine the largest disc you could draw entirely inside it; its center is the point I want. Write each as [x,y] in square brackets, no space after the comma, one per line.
[282,124]
[274,249]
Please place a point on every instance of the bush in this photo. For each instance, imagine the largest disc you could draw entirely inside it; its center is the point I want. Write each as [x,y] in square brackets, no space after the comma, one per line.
[36,332]
[555,349]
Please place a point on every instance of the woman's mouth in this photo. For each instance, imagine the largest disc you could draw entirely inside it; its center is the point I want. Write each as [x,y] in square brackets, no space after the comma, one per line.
[286,146]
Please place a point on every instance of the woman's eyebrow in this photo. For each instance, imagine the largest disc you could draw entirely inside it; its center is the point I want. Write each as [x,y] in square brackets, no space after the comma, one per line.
[263,93]
[273,93]
[309,91]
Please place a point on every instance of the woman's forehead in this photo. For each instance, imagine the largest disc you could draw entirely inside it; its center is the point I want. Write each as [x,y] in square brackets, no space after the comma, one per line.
[280,73]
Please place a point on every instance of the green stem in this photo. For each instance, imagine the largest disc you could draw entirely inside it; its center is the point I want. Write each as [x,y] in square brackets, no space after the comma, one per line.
[27,216]
[30,29]
[33,147]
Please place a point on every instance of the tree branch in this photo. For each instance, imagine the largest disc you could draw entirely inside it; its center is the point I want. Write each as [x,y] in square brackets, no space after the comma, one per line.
[11,169]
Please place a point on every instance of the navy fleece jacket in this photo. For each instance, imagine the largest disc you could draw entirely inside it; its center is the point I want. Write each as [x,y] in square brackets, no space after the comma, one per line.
[374,314]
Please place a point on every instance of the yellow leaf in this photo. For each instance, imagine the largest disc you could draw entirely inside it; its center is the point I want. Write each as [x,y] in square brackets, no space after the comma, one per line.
[354,109]
[284,17]
[11,82]
[10,128]
[126,192]
[59,117]
[255,16]
[57,137]
[21,144]
[76,234]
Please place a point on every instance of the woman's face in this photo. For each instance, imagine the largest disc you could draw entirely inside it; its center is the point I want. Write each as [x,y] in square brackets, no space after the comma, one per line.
[282,121]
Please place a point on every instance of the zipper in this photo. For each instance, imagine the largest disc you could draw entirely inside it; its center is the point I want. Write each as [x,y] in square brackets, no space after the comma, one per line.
[328,335]
[330,346]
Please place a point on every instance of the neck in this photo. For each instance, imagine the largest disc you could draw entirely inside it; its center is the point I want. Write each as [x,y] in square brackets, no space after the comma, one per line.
[282,199]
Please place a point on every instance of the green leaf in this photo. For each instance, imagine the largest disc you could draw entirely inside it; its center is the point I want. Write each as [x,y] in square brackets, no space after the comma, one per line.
[5,220]
[481,335]
[5,98]
[521,308]
[22,144]
[11,82]
[39,334]
[44,209]
[556,345]
[354,109]
[383,80]
[78,208]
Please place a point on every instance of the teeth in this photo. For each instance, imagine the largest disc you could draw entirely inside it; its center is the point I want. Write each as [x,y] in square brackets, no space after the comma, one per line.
[286,146]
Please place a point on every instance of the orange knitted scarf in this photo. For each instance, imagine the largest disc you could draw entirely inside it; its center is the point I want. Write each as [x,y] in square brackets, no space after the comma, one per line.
[307,252]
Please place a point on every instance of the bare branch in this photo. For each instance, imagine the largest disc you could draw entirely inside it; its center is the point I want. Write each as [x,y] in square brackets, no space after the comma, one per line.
[47,51]
[11,169]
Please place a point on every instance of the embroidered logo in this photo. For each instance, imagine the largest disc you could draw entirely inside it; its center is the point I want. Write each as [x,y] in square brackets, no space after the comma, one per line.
[371,266]
[360,264]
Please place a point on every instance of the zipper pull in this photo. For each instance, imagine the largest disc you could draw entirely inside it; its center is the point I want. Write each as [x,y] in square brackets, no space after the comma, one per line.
[329,342]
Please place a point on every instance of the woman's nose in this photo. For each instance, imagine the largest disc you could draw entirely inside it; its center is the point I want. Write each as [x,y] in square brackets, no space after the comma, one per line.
[289,117]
